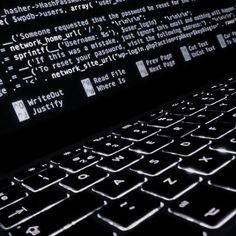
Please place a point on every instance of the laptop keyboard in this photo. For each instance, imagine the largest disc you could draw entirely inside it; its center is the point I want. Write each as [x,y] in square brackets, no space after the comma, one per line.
[172,167]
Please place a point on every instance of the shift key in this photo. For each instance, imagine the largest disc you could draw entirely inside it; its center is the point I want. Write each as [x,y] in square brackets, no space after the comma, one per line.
[30,206]
[62,216]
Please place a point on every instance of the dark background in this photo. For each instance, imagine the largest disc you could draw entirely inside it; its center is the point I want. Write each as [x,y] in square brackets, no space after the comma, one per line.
[20,144]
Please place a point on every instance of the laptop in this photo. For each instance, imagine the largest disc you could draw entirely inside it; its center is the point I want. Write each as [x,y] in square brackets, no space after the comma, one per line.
[118,117]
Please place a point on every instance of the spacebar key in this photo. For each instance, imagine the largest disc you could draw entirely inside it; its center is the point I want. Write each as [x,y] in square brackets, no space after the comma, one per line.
[62,216]
[30,206]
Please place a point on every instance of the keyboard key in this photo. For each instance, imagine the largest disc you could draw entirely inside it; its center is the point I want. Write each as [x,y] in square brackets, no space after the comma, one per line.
[61,216]
[225,178]
[129,211]
[24,174]
[178,131]
[30,206]
[188,109]
[214,130]
[125,128]
[224,106]
[97,142]
[151,144]
[112,146]
[214,208]
[164,225]
[119,184]
[44,179]
[216,86]
[165,121]
[65,156]
[138,132]
[150,117]
[171,184]
[186,146]
[210,98]
[89,227]
[226,90]
[226,144]
[119,161]
[11,195]
[203,117]
[84,179]
[174,105]
[155,164]
[80,162]
[206,162]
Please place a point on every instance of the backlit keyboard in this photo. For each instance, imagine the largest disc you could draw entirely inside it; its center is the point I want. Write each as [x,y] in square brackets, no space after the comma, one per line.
[168,171]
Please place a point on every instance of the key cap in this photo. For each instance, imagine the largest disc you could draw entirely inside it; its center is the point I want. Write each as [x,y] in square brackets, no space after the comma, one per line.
[152,116]
[61,216]
[225,177]
[30,206]
[216,86]
[80,162]
[210,98]
[178,131]
[226,144]
[215,130]
[224,106]
[206,162]
[212,210]
[24,174]
[11,195]
[97,142]
[171,184]
[203,117]
[151,144]
[44,179]
[197,96]
[119,161]
[166,121]
[89,227]
[125,128]
[65,156]
[226,90]
[186,146]
[129,211]
[164,225]
[119,184]
[112,146]
[175,105]
[155,164]
[187,109]
[84,179]
[138,132]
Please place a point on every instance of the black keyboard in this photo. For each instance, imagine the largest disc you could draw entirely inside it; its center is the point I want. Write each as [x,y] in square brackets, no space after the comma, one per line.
[171,170]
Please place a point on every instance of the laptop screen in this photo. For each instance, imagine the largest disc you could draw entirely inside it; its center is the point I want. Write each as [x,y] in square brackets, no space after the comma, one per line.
[61,55]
